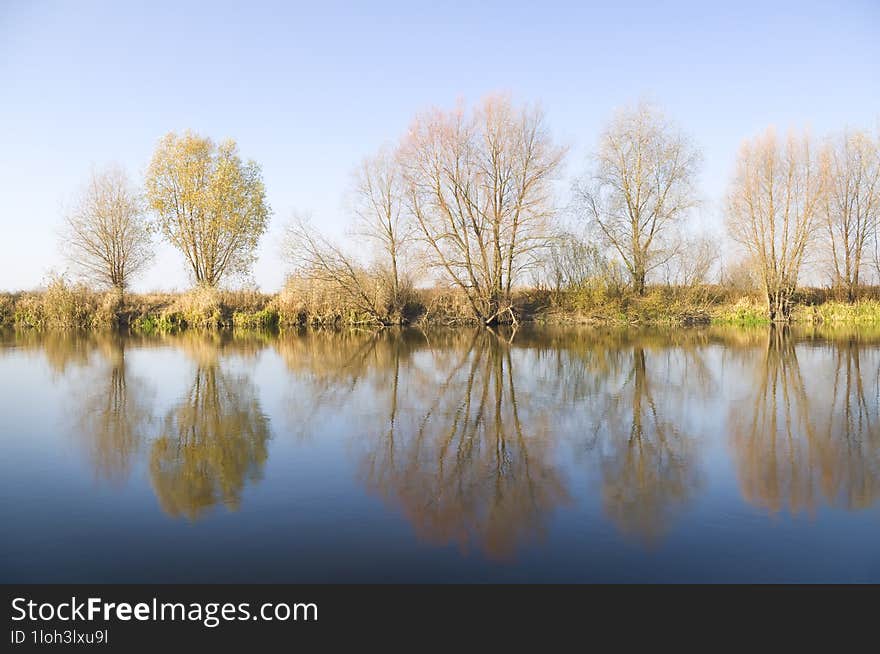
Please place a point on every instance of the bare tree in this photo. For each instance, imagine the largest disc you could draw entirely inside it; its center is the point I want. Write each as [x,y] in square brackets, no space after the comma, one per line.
[641,186]
[742,275]
[378,287]
[322,262]
[106,237]
[479,190]
[877,253]
[852,205]
[570,263]
[381,219]
[772,210]
[694,262]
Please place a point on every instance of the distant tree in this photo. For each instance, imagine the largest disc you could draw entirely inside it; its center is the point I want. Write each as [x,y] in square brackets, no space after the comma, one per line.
[570,263]
[851,210]
[210,204]
[742,275]
[640,187]
[340,276]
[478,186]
[106,236]
[772,210]
[373,280]
[379,207]
[694,262]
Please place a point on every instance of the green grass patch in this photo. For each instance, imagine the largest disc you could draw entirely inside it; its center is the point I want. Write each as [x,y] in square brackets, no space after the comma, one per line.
[266,319]
[863,312]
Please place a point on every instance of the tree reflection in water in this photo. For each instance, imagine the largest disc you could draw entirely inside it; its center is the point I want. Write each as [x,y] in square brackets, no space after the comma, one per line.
[474,467]
[632,423]
[798,439]
[112,408]
[202,451]
[647,460]
[467,441]
[449,440]
[468,433]
[212,443]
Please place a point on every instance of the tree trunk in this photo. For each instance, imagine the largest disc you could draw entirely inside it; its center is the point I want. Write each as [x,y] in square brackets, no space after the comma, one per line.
[639,282]
[779,305]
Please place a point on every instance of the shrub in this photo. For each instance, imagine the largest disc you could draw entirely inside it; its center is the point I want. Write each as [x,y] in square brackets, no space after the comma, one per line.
[158,324]
[7,309]
[200,308]
[265,319]
[446,306]
[308,300]
[110,310]
[60,306]
[863,312]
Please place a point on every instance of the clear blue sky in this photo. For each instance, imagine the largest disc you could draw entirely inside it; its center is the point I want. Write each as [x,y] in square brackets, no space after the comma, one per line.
[309,89]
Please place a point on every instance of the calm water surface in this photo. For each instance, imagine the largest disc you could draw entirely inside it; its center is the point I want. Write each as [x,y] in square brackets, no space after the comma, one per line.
[554,455]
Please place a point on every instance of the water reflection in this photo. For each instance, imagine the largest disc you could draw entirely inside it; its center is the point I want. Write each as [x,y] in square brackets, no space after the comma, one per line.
[647,460]
[799,439]
[212,442]
[113,409]
[64,352]
[481,439]
[200,452]
[465,434]
[471,462]
[626,400]
[442,434]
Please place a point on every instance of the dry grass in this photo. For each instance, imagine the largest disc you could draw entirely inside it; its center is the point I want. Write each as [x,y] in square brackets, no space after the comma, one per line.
[314,301]
[661,305]
[62,305]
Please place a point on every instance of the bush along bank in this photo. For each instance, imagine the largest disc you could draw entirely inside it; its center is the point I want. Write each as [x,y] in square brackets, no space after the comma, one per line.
[62,305]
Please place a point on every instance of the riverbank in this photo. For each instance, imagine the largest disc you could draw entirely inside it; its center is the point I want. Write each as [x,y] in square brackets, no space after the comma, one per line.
[67,306]
[666,306]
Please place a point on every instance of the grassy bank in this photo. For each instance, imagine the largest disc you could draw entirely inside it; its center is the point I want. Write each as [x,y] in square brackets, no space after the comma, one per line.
[70,306]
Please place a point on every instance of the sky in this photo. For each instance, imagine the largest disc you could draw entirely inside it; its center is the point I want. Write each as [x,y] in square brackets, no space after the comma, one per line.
[310,89]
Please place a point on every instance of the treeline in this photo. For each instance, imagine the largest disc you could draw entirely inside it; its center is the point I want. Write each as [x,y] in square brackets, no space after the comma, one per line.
[464,220]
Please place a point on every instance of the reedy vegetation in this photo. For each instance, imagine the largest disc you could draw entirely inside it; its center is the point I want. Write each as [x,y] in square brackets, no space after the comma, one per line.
[460,222]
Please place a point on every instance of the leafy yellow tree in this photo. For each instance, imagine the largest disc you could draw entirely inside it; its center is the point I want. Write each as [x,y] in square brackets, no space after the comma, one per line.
[210,204]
